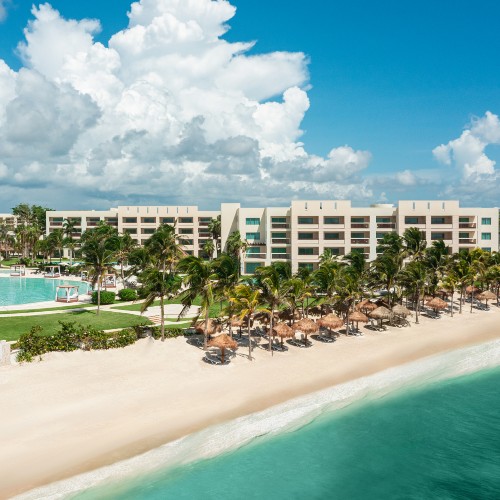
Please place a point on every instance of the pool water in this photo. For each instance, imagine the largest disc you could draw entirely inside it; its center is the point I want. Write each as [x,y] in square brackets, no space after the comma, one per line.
[18,290]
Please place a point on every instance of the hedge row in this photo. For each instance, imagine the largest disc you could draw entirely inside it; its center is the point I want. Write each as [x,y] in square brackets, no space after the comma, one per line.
[73,336]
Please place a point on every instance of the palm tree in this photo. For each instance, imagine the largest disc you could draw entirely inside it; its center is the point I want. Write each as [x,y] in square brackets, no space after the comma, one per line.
[165,245]
[99,255]
[349,289]
[235,246]
[126,245]
[69,227]
[5,233]
[200,280]
[159,285]
[56,237]
[274,283]
[247,301]
[324,279]
[414,243]
[414,276]
[209,249]
[214,227]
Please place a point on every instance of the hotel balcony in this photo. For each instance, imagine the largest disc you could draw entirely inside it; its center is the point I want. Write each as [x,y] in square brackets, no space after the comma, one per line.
[360,225]
[280,256]
[467,241]
[280,241]
[259,256]
[386,225]
[466,225]
[280,225]
[360,241]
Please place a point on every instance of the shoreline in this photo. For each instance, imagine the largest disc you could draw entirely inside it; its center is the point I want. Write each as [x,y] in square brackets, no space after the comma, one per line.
[113,406]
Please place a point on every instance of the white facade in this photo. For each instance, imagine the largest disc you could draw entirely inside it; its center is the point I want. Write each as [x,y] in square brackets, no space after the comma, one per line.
[301,232]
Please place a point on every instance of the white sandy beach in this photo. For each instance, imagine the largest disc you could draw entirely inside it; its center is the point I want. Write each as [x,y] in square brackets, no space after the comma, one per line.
[74,412]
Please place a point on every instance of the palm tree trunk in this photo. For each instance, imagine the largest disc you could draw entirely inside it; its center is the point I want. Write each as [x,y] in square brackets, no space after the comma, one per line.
[162,322]
[249,340]
[417,305]
[271,330]
[471,298]
[205,336]
[452,294]
[98,295]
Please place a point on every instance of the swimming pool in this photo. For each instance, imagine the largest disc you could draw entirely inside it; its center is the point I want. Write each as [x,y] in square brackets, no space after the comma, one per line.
[16,290]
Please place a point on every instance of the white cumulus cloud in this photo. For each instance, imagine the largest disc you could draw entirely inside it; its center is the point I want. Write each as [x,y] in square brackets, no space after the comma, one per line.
[166,112]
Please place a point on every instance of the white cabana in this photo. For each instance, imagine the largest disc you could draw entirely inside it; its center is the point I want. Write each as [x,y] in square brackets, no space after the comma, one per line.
[18,270]
[84,276]
[52,272]
[67,293]
[109,281]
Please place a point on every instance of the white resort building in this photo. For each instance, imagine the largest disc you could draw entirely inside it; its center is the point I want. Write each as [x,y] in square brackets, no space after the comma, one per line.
[301,232]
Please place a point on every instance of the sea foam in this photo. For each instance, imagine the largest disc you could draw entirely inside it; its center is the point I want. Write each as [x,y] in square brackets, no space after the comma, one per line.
[284,417]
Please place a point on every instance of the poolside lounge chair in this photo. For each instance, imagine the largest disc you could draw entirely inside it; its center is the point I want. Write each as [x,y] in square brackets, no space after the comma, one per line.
[325,338]
[214,360]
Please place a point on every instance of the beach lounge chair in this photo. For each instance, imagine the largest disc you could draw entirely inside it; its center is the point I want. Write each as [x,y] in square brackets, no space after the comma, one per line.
[325,338]
[214,360]
[279,348]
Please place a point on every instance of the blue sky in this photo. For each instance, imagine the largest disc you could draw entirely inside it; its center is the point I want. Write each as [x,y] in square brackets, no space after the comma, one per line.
[395,79]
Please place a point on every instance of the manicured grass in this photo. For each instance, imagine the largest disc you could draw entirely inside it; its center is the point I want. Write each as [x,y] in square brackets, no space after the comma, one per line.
[214,310]
[75,306]
[13,328]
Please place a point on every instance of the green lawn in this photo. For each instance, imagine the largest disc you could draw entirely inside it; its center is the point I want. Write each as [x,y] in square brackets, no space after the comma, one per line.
[214,310]
[13,328]
[74,306]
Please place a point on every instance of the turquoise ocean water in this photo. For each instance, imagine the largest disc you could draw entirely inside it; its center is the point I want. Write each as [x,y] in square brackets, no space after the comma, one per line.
[426,430]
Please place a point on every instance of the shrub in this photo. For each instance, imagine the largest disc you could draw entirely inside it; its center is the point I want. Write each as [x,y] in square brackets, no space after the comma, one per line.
[127,294]
[106,297]
[32,344]
[170,333]
[123,338]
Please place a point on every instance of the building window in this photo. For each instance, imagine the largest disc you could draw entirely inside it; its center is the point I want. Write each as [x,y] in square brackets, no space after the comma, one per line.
[438,220]
[186,230]
[278,220]
[148,230]
[204,219]
[384,220]
[130,230]
[463,220]
[331,220]
[486,249]
[437,236]
[334,250]
[253,236]
[486,221]
[183,241]
[306,265]
[278,235]
[149,220]
[167,220]
[486,236]
[278,250]
[306,251]
[411,220]
[130,220]
[358,220]
[306,220]
[186,220]
[252,251]
[358,235]
[252,221]
[463,235]
[332,236]
[250,267]
[306,236]
[380,236]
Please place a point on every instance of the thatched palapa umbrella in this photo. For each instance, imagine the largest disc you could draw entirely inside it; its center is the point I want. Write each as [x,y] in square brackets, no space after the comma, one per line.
[330,321]
[306,326]
[366,306]
[223,342]
[288,316]
[358,316]
[486,295]
[212,326]
[283,331]
[381,313]
[436,303]
[237,322]
[472,289]
[401,310]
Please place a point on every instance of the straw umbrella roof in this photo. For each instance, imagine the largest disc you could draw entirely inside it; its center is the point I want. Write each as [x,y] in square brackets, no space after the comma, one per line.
[401,310]
[237,322]
[366,306]
[283,330]
[472,289]
[381,313]
[212,326]
[358,316]
[331,321]
[437,303]
[223,341]
[306,326]
[315,310]
[287,314]
[486,295]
